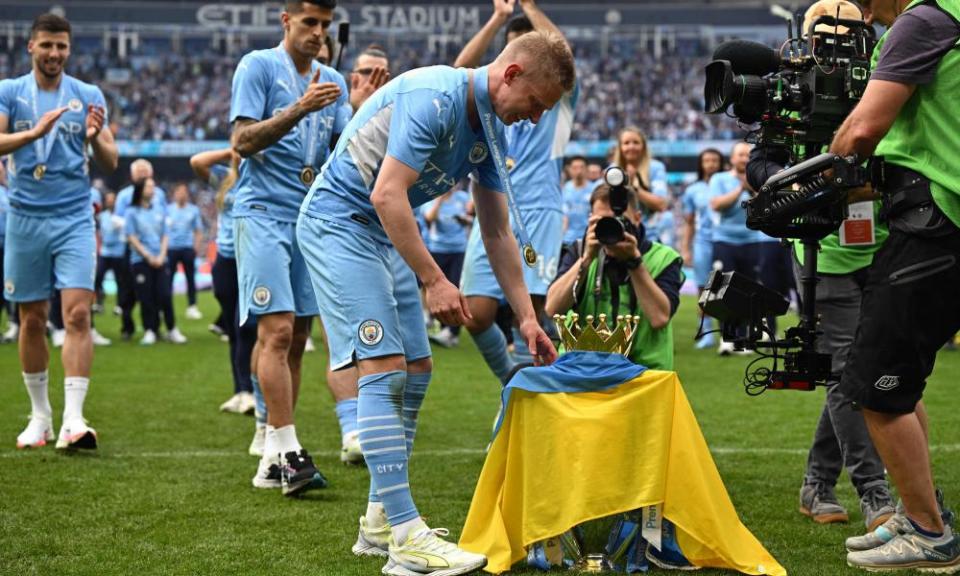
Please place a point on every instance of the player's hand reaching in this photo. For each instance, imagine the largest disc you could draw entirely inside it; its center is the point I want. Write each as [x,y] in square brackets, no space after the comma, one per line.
[47,121]
[446,303]
[363,83]
[541,348]
[319,94]
[95,118]
[504,8]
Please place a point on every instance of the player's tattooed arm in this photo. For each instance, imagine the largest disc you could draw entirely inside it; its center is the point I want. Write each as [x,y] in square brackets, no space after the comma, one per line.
[10,142]
[250,136]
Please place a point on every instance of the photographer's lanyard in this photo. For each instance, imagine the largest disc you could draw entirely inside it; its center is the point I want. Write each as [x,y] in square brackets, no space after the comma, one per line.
[309,125]
[43,146]
[610,274]
[488,119]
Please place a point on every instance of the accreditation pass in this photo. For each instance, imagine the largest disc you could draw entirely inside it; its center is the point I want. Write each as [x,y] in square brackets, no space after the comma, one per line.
[859,228]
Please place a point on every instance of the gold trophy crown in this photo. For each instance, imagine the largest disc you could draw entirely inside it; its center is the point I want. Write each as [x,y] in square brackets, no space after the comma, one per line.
[597,336]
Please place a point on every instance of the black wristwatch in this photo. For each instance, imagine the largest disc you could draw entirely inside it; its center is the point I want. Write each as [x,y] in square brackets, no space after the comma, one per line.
[633,263]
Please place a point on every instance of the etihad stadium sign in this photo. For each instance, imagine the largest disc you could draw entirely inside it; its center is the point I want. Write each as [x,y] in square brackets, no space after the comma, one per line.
[426,18]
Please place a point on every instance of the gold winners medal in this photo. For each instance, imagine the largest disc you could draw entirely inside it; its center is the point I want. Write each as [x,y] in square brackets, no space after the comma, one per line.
[39,171]
[529,255]
[307,175]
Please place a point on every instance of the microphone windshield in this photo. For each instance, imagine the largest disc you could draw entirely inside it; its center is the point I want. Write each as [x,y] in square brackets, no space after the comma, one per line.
[748,57]
[343,33]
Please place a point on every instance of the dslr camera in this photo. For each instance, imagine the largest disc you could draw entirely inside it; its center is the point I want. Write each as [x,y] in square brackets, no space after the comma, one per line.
[613,229]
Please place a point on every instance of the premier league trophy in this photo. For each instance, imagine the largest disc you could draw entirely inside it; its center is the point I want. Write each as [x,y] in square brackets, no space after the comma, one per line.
[613,543]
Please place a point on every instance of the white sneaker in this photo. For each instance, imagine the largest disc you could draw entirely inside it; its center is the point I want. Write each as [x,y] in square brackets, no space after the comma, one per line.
[372,540]
[149,338]
[350,452]
[38,432]
[99,339]
[193,313]
[725,348]
[444,338]
[232,405]
[259,439]
[13,330]
[425,552]
[310,346]
[76,435]
[247,403]
[176,337]
[58,337]
[268,474]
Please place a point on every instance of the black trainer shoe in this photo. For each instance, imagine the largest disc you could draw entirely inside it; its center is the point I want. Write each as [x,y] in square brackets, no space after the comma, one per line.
[298,474]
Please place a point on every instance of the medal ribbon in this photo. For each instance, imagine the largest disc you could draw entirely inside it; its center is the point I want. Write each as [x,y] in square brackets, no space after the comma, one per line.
[45,144]
[309,126]
[481,94]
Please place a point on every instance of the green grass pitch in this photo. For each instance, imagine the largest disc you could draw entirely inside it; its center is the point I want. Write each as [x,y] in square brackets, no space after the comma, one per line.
[169,492]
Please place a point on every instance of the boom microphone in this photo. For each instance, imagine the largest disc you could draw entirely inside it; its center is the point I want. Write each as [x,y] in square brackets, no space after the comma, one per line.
[747,57]
[343,37]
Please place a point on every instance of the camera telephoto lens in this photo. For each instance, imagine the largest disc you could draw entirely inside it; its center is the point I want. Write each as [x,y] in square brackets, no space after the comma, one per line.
[609,230]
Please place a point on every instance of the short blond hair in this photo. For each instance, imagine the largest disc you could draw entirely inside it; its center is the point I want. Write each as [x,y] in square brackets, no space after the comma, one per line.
[549,53]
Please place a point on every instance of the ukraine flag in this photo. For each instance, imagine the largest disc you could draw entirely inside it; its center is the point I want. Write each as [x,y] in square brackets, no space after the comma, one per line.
[595,435]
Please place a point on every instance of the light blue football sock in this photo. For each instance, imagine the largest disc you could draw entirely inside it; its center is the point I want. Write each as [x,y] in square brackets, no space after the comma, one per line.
[382,439]
[261,405]
[493,346]
[413,394]
[521,353]
[347,415]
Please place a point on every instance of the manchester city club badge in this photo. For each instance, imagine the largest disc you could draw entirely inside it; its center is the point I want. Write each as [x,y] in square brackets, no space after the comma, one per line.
[370,332]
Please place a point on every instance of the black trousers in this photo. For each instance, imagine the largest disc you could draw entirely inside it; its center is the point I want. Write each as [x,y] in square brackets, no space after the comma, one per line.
[152,287]
[452,266]
[188,258]
[126,295]
[106,264]
[226,291]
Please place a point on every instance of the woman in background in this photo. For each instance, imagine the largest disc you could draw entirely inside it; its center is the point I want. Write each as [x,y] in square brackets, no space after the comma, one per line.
[146,230]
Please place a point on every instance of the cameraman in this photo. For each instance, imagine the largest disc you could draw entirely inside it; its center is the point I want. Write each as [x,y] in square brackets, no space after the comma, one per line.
[647,275]
[908,119]
[841,435]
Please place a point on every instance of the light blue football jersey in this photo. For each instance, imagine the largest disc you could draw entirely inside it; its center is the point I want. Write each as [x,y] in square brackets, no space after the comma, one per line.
[730,225]
[113,240]
[149,226]
[696,201]
[420,119]
[181,224]
[65,185]
[535,154]
[225,241]
[269,183]
[576,207]
[447,234]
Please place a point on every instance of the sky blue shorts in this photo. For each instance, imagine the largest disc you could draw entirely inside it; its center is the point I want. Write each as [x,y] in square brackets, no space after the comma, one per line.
[271,274]
[43,253]
[546,233]
[368,297]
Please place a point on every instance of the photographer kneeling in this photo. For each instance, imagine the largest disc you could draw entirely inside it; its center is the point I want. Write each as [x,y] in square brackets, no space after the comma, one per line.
[631,276]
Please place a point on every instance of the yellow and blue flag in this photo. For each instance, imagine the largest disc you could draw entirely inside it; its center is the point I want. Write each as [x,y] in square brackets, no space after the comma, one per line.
[595,435]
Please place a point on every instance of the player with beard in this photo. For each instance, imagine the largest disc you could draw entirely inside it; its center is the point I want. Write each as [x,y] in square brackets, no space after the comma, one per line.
[48,122]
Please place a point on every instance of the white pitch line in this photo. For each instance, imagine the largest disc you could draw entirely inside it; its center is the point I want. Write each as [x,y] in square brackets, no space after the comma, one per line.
[717,451]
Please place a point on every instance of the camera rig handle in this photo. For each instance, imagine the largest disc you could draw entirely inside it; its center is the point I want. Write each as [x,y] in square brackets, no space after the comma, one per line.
[807,200]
